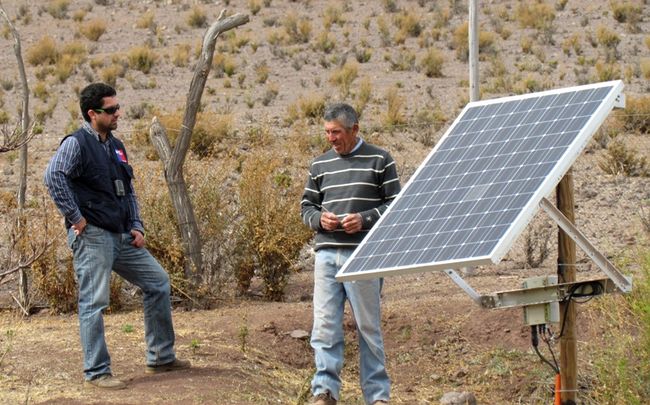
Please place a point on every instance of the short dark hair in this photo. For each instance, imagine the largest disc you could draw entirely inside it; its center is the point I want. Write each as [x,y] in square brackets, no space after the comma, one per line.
[91,97]
[343,113]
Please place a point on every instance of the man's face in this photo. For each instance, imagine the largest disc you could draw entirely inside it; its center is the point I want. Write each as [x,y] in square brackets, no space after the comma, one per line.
[342,139]
[105,118]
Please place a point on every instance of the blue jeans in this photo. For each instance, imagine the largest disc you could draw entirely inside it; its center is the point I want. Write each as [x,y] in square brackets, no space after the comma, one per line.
[327,333]
[96,252]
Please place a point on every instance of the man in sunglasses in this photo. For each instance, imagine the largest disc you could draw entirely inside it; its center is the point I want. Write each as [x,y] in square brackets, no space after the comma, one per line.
[90,180]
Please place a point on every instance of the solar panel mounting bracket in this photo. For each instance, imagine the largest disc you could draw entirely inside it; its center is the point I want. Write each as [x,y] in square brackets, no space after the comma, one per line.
[622,282]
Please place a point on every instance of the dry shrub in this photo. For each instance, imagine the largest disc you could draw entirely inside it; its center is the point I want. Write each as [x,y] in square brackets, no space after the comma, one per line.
[212,133]
[181,55]
[58,8]
[197,17]
[332,15]
[147,20]
[309,106]
[110,73]
[628,12]
[459,41]
[534,14]
[363,95]
[298,29]
[394,103]
[41,91]
[431,63]
[404,60]
[270,234]
[607,38]
[607,71]
[636,115]
[64,68]
[622,160]
[222,63]
[43,52]
[76,50]
[141,58]
[429,121]
[537,239]
[325,42]
[344,76]
[93,29]
[408,24]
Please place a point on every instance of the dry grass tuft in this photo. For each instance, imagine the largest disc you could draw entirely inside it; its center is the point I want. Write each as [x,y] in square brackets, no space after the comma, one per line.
[394,114]
[197,17]
[43,52]
[141,58]
[93,29]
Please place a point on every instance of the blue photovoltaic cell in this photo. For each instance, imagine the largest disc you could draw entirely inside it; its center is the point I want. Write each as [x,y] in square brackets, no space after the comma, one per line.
[486,170]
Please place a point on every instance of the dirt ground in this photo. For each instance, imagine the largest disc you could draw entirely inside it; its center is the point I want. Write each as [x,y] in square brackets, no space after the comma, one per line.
[437,340]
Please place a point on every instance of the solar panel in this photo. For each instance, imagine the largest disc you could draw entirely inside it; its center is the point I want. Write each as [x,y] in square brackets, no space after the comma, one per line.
[483,182]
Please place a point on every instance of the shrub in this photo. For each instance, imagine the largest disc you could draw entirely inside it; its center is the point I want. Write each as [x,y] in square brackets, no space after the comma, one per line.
[325,42]
[110,73]
[79,15]
[254,6]
[403,61]
[408,23]
[486,41]
[197,17]
[627,12]
[607,38]
[58,8]
[394,103]
[40,91]
[533,14]
[636,115]
[211,134]
[222,63]
[181,55]
[622,160]
[607,71]
[141,58]
[65,66]
[310,106]
[572,43]
[43,52]
[93,29]
[270,235]
[332,15]
[147,21]
[362,55]
[344,76]
[298,30]
[364,93]
[262,72]
[432,63]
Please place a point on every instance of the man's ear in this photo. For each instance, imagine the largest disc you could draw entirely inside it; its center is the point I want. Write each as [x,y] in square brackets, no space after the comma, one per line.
[355,129]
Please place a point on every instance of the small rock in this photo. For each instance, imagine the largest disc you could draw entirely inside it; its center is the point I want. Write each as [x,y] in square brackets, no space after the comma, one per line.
[458,398]
[299,334]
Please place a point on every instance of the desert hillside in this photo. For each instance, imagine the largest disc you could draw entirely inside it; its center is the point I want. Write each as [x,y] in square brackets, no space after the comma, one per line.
[403,65]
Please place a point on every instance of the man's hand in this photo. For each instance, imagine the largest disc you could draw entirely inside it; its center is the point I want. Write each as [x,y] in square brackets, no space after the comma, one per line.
[329,221]
[352,223]
[79,227]
[138,238]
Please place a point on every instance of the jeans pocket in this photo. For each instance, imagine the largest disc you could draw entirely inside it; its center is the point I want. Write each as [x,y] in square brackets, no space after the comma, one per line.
[71,238]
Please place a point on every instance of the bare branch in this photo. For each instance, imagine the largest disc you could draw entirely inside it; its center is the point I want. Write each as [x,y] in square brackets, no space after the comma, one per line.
[12,140]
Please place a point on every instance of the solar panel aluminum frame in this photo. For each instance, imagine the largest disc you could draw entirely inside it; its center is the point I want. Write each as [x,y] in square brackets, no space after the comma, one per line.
[612,99]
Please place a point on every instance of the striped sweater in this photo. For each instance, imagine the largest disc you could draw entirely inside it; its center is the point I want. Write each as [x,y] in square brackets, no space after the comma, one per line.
[364,181]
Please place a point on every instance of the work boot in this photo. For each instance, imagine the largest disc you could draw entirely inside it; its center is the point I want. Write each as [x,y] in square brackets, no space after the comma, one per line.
[177,364]
[105,381]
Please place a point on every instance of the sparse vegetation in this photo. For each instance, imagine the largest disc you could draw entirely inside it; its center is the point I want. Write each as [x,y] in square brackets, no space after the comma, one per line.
[394,114]
[93,29]
[141,58]
[620,159]
[344,76]
[43,52]
[197,17]
[432,62]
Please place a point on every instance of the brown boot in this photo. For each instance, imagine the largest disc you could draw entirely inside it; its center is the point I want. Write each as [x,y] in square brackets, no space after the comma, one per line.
[105,381]
[177,364]
[324,398]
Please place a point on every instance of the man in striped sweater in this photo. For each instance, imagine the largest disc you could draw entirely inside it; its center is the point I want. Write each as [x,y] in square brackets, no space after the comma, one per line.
[348,189]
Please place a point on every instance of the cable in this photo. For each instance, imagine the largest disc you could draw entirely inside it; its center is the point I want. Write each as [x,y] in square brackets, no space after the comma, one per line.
[576,291]
[535,342]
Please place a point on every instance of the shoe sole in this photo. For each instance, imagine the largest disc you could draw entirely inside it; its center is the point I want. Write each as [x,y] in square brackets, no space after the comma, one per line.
[163,369]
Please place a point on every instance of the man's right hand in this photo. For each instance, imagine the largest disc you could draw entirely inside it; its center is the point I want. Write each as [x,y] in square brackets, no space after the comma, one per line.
[79,227]
[329,221]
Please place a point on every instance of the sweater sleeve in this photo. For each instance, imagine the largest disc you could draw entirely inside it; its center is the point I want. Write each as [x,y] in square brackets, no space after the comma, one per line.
[310,205]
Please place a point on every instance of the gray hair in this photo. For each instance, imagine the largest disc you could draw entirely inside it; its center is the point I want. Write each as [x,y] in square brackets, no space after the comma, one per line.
[343,113]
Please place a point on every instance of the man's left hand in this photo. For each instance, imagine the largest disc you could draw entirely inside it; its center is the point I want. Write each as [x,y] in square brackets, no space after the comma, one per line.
[352,223]
[138,238]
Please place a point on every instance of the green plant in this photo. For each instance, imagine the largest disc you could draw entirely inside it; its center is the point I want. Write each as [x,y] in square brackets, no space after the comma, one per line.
[325,42]
[127,328]
[243,334]
[195,345]
[141,58]
[93,29]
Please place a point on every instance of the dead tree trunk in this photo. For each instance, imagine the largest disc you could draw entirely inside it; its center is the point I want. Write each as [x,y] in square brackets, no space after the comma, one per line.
[174,158]
[23,290]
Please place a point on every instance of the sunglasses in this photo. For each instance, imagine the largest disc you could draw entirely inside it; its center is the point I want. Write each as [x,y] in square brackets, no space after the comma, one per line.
[109,110]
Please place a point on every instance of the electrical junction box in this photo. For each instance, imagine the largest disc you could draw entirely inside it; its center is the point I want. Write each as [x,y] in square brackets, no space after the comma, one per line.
[544,313]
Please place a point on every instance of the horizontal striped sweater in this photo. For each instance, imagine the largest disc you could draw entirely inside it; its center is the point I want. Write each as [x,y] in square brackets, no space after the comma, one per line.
[364,181]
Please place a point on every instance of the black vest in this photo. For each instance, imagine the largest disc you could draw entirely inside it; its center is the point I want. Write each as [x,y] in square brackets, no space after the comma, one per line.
[95,189]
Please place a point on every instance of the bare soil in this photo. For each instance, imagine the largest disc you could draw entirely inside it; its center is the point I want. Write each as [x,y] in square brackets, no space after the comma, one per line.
[437,340]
